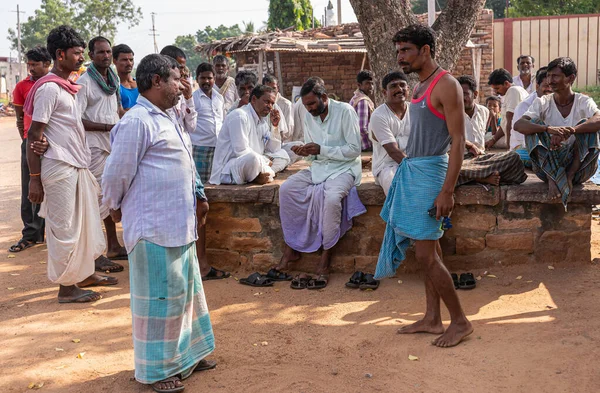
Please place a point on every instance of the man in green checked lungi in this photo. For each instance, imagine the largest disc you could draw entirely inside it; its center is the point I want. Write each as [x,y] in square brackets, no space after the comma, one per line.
[150,182]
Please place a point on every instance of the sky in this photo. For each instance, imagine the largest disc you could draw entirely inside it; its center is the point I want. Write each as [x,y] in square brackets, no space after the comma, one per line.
[192,16]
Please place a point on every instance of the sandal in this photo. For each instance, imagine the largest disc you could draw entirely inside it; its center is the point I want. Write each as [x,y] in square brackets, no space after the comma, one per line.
[103,281]
[467,281]
[21,245]
[369,282]
[356,279]
[300,281]
[455,280]
[85,297]
[103,264]
[216,274]
[170,379]
[257,280]
[277,275]
[204,365]
[318,283]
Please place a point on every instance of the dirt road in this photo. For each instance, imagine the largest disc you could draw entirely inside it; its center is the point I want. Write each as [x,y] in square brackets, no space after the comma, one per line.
[539,333]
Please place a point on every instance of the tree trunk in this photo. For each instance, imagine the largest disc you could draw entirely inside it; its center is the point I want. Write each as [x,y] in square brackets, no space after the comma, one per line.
[380,20]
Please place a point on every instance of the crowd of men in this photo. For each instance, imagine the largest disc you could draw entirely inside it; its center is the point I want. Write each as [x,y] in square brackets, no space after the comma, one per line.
[112,148]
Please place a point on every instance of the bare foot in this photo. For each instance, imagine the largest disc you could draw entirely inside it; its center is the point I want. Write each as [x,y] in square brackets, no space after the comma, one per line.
[263,178]
[453,335]
[553,191]
[423,326]
[493,179]
[289,255]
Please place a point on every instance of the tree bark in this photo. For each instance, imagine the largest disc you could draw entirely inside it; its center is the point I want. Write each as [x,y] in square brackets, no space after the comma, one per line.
[380,20]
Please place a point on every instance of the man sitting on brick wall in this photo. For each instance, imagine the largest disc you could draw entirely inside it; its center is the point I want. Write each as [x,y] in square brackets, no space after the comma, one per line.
[505,168]
[363,105]
[246,150]
[317,204]
[389,129]
[561,132]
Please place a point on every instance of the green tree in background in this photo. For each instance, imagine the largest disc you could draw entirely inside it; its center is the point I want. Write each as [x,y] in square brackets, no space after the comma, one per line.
[187,43]
[519,8]
[209,34]
[290,13]
[89,17]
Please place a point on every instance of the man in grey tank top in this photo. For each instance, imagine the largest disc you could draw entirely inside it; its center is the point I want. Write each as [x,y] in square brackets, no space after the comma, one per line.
[426,180]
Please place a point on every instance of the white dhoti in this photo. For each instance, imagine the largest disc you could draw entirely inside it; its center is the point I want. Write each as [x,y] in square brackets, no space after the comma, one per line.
[98,160]
[73,227]
[246,168]
[385,177]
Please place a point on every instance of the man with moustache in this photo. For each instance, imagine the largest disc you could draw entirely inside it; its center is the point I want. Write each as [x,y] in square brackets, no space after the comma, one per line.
[364,106]
[99,102]
[225,84]
[389,129]
[62,181]
[151,184]
[525,79]
[184,111]
[123,59]
[422,191]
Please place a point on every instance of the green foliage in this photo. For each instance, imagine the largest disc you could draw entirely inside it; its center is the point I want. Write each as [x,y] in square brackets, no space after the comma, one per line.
[248,27]
[187,43]
[209,34]
[520,8]
[498,6]
[89,17]
[290,13]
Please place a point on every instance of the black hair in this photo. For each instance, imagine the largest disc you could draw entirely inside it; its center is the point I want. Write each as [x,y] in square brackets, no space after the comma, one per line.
[260,90]
[469,81]
[364,75]
[121,48]
[494,98]
[63,37]
[204,67]
[565,64]
[523,56]
[173,51]
[220,59]
[499,76]
[313,85]
[540,75]
[393,76]
[268,79]
[93,41]
[39,53]
[419,35]
[151,65]
[245,77]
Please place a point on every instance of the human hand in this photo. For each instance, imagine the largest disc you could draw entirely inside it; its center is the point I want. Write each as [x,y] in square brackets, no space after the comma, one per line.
[202,212]
[444,204]
[40,147]
[275,117]
[187,88]
[311,149]
[489,144]
[36,190]
[115,215]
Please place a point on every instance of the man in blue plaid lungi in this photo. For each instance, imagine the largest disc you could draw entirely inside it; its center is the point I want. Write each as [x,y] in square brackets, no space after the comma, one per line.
[151,184]
[562,133]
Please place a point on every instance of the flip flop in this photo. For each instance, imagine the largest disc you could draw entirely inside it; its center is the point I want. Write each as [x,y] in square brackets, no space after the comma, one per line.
[318,283]
[300,281]
[369,282]
[104,281]
[455,280]
[108,265]
[83,295]
[355,280]
[21,245]
[257,280]
[277,275]
[467,281]
[216,274]
[204,365]
[170,379]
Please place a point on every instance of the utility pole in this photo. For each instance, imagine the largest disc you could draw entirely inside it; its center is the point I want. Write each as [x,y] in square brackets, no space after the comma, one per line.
[430,12]
[339,5]
[153,30]
[19,58]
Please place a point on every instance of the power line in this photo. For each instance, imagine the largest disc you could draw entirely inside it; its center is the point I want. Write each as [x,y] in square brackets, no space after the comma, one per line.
[153,30]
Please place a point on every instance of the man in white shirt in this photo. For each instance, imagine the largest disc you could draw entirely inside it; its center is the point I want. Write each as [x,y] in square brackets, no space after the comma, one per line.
[225,84]
[312,201]
[525,66]
[517,140]
[99,102]
[502,83]
[184,111]
[247,151]
[495,169]
[209,107]
[284,104]
[561,132]
[389,129]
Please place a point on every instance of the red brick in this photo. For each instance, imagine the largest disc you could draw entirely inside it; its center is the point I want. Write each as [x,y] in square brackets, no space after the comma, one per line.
[510,241]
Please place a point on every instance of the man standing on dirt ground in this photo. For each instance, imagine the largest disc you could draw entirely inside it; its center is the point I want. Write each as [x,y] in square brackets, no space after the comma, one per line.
[99,103]
[123,59]
[38,65]
[151,162]
[224,83]
[422,190]
[62,180]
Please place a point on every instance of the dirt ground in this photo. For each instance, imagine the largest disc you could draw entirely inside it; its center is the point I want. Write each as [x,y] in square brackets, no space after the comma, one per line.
[539,333]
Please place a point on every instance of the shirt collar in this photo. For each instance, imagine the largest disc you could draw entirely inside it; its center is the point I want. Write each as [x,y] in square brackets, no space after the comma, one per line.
[257,119]
[143,101]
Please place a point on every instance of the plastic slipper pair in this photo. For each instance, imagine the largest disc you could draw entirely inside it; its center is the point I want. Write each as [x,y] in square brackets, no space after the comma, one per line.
[362,281]
[257,280]
[318,283]
[465,281]
[300,281]
[216,274]
[277,275]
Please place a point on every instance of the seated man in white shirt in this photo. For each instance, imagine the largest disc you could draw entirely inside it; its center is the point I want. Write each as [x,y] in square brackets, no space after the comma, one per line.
[246,150]
[389,129]
[525,66]
[517,140]
[505,168]
[561,132]
[317,204]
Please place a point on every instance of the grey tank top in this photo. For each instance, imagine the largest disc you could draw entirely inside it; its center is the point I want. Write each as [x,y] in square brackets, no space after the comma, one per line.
[428,130]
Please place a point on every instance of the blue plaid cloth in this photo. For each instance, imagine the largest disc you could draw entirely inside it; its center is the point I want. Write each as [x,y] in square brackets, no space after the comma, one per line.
[171,325]
[203,157]
[418,181]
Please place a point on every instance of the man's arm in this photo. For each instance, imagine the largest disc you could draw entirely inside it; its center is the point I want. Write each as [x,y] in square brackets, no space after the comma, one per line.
[36,190]
[453,107]
[509,121]
[394,152]
[239,139]
[379,129]
[190,116]
[20,120]
[93,126]
[362,109]
[591,125]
